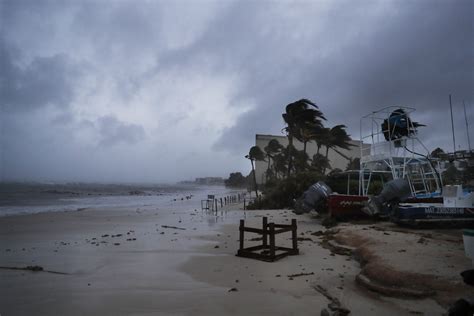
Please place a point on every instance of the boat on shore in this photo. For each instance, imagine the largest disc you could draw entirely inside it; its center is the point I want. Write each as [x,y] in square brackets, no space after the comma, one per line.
[391,150]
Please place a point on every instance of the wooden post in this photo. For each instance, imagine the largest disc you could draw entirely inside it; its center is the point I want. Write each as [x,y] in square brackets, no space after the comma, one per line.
[216,205]
[221,203]
[294,236]
[272,240]
[244,205]
[264,235]
[241,234]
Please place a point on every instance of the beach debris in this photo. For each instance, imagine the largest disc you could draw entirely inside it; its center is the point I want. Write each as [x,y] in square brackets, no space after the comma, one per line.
[304,239]
[461,307]
[329,222]
[324,312]
[468,277]
[117,244]
[33,269]
[216,246]
[334,304]
[268,251]
[136,192]
[422,241]
[173,227]
[234,289]
[299,274]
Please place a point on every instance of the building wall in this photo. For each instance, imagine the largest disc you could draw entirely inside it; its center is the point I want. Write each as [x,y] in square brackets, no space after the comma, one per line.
[336,160]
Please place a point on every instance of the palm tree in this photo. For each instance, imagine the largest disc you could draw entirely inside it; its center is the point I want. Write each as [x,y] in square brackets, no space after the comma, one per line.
[255,153]
[280,161]
[320,163]
[337,138]
[320,137]
[300,161]
[299,114]
[272,149]
[310,132]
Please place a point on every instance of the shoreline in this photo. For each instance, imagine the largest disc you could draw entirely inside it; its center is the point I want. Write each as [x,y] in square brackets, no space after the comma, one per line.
[181,262]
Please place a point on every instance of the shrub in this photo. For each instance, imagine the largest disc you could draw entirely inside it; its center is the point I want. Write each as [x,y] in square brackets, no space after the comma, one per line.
[279,194]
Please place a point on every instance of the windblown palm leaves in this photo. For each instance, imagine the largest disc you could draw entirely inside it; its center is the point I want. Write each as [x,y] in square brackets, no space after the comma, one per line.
[337,138]
[271,150]
[300,115]
[255,153]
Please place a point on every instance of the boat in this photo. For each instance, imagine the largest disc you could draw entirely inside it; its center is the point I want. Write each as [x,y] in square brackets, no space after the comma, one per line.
[391,150]
[457,206]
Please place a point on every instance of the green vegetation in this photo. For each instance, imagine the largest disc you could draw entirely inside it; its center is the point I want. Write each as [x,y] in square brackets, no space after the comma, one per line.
[236,180]
[290,171]
[255,153]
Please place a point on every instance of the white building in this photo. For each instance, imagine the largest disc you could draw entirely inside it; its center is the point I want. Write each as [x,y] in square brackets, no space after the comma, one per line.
[335,159]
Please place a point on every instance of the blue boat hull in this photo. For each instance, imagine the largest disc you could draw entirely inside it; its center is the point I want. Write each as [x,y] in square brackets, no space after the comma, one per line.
[428,213]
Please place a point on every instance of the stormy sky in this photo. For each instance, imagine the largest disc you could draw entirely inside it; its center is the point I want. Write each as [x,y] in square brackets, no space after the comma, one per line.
[161,91]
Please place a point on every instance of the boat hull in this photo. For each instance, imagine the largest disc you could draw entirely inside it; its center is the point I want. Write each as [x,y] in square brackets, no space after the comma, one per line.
[432,213]
[345,206]
[342,206]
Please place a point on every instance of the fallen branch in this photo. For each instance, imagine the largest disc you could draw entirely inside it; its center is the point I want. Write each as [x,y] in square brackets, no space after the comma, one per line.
[173,227]
[33,269]
[335,304]
[299,274]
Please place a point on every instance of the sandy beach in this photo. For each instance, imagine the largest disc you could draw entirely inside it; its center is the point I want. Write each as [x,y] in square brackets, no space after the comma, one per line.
[148,261]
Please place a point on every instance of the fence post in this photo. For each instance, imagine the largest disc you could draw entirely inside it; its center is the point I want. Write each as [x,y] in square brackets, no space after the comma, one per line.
[241,234]
[294,236]
[272,239]
[264,235]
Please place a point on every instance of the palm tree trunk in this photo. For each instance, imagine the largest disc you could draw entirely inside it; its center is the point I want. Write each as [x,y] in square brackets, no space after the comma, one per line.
[254,179]
[327,154]
[290,155]
[268,167]
[304,146]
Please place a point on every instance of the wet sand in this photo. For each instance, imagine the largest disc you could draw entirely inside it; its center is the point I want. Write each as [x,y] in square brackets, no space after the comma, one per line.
[125,262]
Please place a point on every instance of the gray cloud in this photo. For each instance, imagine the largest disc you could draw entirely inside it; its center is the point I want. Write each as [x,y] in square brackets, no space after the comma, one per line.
[113,132]
[44,81]
[414,56]
[199,80]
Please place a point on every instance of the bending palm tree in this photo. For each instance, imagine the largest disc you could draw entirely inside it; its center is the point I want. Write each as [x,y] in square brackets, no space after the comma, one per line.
[272,149]
[255,153]
[337,138]
[298,114]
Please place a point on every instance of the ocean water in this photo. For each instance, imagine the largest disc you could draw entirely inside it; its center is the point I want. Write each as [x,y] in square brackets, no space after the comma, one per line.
[28,198]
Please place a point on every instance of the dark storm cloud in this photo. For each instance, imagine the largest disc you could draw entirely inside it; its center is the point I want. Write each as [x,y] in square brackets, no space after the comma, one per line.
[113,132]
[415,55]
[44,81]
[83,81]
